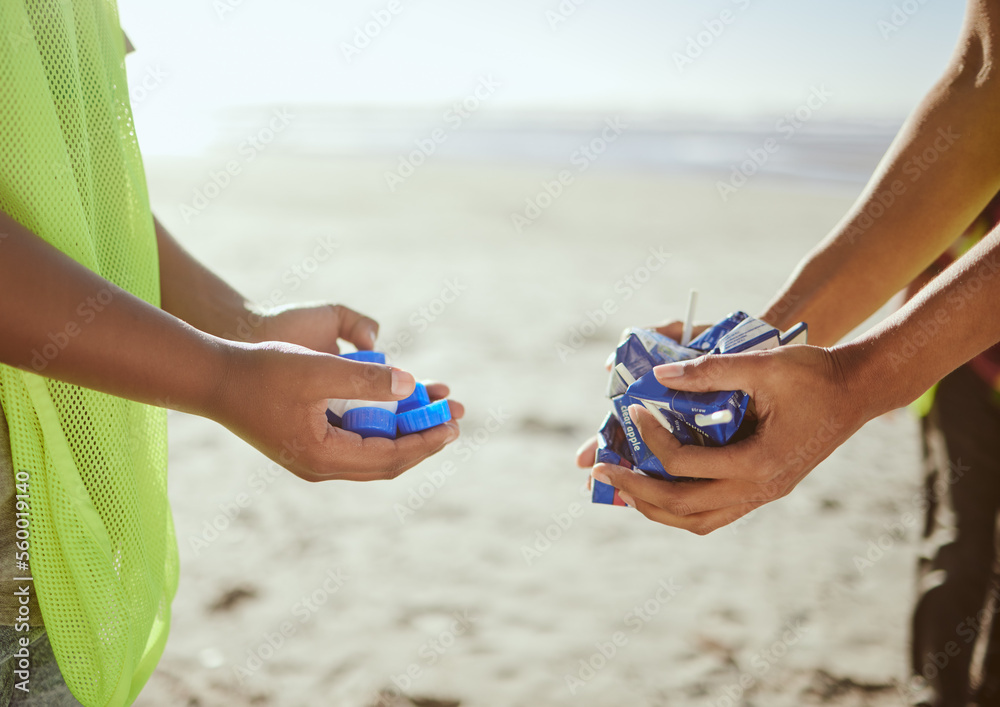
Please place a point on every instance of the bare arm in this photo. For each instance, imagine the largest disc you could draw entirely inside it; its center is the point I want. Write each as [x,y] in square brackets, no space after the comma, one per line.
[108,339]
[196,295]
[941,170]
[193,293]
[954,318]
[273,395]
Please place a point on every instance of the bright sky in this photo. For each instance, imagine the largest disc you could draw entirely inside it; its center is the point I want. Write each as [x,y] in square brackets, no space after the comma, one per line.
[197,56]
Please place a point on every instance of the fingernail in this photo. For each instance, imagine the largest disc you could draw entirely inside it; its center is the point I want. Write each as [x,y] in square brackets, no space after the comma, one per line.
[452,434]
[628,499]
[633,410]
[402,383]
[602,477]
[669,370]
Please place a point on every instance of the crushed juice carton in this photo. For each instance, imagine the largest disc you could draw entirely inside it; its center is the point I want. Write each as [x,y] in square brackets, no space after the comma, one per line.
[708,419]
[611,449]
[749,335]
[707,340]
[639,351]
[705,419]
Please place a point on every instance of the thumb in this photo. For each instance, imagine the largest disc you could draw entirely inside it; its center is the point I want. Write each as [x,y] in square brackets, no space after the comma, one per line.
[710,373]
[585,454]
[353,380]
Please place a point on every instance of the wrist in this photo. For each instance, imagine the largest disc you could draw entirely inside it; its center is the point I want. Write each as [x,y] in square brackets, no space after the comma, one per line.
[240,321]
[870,377]
[217,365]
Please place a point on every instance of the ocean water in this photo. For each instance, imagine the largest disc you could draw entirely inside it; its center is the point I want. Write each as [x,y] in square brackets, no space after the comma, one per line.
[810,152]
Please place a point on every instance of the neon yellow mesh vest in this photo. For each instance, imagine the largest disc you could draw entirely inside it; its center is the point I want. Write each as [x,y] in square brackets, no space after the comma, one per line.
[103,552]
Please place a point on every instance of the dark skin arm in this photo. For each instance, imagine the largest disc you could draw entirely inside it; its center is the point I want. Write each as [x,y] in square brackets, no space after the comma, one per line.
[196,295]
[941,171]
[272,394]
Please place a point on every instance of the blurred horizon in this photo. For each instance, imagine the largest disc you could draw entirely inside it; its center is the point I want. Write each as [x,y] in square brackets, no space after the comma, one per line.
[726,62]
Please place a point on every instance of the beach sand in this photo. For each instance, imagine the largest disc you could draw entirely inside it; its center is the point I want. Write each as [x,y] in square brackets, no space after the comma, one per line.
[440,588]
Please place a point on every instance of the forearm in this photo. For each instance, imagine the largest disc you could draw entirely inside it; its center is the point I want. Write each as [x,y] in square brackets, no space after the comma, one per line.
[950,321]
[63,321]
[940,172]
[193,293]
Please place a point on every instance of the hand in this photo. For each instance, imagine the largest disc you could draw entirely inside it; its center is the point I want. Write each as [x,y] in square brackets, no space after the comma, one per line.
[274,395]
[317,327]
[808,400]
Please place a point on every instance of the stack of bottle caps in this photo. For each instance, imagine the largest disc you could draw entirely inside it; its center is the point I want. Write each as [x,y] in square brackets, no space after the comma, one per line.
[392,419]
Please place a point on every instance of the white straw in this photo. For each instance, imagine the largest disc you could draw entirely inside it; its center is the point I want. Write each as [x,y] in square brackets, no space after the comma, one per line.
[625,373]
[658,415]
[689,320]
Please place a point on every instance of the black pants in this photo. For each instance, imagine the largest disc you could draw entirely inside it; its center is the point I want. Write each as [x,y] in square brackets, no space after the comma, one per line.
[956,638]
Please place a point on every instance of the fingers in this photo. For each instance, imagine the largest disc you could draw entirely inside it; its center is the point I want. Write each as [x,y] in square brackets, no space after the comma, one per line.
[734,461]
[657,437]
[699,523]
[356,328]
[715,372]
[586,454]
[681,498]
[345,455]
[637,490]
[353,380]
[457,409]
[654,498]
[439,391]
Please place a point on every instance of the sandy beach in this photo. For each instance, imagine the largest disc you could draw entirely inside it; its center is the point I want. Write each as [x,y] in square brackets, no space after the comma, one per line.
[484,577]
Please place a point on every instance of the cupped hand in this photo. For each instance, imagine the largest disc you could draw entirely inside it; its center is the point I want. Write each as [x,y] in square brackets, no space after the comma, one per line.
[274,395]
[809,400]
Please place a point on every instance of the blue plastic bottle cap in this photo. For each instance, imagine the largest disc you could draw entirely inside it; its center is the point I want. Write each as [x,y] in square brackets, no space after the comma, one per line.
[365,356]
[437,413]
[333,418]
[418,398]
[370,422]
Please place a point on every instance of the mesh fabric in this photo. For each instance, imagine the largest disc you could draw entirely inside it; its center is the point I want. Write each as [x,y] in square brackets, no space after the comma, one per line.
[103,552]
